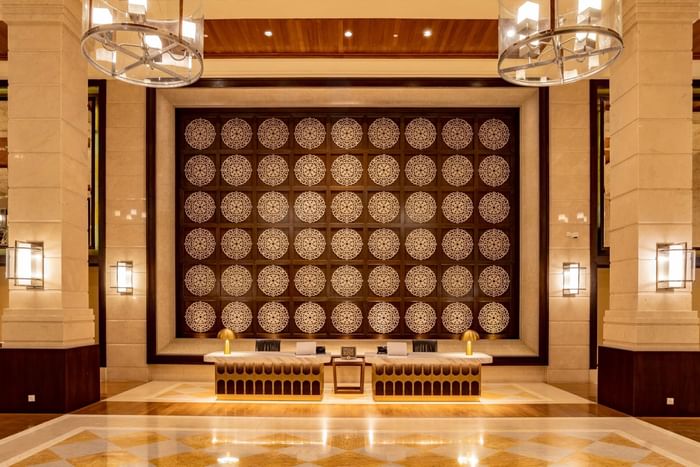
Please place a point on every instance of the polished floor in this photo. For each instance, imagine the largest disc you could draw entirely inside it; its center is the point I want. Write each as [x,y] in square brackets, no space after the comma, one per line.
[180,424]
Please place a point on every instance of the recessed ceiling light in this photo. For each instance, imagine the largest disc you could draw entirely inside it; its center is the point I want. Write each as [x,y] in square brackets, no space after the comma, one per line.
[348,33]
[395,36]
[427,32]
[268,33]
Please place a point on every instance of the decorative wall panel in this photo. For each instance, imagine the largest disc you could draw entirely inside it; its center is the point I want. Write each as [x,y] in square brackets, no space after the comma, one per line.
[330,223]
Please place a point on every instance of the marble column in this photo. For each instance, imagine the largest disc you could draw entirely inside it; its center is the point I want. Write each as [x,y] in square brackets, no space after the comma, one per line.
[651,176]
[48,171]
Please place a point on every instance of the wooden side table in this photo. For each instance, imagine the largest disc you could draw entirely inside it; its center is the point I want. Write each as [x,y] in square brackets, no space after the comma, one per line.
[359,362]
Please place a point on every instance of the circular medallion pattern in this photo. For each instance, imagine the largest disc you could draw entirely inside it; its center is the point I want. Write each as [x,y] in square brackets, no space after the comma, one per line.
[457,317]
[346,243]
[236,207]
[273,206]
[273,243]
[236,170]
[383,133]
[420,318]
[310,317]
[310,244]
[200,243]
[383,170]
[236,280]
[420,133]
[346,206]
[494,281]
[457,281]
[310,133]
[420,207]
[346,281]
[273,280]
[494,244]
[309,170]
[310,280]
[199,207]
[494,134]
[236,133]
[457,244]
[273,133]
[200,317]
[200,280]
[200,170]
[420,281]
[494,170]
[383,318]
[346,170]
[420,170]
[346,133]
[457,170]
[493,318]
[457,134]
[384,207]
[494,207]
[309,206]
[200,133]
[384,281]
[346,317]
[384,244]
[237,317]
[420,244]
[273,170]
[236,243]
[457,207]
[273,317]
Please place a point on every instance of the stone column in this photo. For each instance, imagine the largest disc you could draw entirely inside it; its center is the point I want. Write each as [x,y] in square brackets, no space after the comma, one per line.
[651,175]
[48,171]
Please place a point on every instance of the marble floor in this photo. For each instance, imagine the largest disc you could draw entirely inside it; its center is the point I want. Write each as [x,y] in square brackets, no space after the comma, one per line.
[111,440]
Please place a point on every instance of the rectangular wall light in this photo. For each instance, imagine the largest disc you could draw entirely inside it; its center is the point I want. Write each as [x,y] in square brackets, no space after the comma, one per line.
[574,280]
[675,266]
[122,277]
[25,264]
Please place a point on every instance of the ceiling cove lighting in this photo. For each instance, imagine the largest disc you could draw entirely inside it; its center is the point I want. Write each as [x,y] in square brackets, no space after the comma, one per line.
[153,43]
[25,264]
[675,266]
[555,42]
[574,279]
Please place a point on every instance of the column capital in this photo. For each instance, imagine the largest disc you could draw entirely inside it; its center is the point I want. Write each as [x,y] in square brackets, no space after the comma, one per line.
[68,12]
[655,11]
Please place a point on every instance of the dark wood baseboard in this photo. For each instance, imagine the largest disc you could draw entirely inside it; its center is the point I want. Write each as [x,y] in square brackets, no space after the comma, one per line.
[638,383]
[62,380]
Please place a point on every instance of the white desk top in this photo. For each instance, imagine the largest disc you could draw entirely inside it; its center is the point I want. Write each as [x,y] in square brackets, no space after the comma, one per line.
[437,357]
[265,357]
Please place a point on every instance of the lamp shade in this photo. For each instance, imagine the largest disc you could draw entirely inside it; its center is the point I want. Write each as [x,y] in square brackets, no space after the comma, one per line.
[470,335]
[25,264]
[226,334]
[675,266]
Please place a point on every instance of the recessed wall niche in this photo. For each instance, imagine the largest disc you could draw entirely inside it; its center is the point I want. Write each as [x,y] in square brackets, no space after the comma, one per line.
[347,223]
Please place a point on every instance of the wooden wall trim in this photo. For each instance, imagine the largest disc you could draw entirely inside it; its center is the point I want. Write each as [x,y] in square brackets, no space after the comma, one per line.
[153,357]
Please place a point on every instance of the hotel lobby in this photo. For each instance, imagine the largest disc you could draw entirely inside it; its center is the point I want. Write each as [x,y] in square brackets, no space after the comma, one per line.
[382,233]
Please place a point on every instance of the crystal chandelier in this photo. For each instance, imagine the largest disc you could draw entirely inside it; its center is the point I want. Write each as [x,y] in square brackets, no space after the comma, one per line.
[154,43]
[551,42]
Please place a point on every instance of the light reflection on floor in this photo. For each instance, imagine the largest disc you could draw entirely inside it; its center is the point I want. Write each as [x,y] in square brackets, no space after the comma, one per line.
[309,442]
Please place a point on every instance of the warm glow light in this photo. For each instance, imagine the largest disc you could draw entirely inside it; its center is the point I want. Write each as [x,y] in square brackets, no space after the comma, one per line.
[25,264]
[584,5]
[189,30]
[153,41]
[573,282]
[268,33]
[510,33]
[138,7]
[675,266]
[348,34]
[471,460]
[427,32]
[528,11]
[101,16]
[122,277]
[227,459]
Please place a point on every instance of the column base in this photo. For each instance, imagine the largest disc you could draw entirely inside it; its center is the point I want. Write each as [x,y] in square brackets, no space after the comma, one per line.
[639,382]
[61,380]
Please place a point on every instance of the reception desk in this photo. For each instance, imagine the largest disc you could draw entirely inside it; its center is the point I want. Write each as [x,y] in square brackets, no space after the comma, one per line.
[268,375]
[427,376]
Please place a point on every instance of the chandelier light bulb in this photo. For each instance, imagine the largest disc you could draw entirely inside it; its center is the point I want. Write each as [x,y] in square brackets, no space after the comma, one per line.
[138,7]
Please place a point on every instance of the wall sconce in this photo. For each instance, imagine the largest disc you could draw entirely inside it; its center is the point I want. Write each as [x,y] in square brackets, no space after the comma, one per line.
[122,277]
[25,264]
[574,279]
[675,266]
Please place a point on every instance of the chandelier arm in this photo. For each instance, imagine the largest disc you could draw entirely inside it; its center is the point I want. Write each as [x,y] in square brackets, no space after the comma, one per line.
[118,47]
[130,66]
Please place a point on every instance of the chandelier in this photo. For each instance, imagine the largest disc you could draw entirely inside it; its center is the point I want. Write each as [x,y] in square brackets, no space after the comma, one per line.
[551,42]
[154,43]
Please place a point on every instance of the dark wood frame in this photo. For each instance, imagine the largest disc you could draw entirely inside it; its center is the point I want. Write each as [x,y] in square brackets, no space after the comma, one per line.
[543,352]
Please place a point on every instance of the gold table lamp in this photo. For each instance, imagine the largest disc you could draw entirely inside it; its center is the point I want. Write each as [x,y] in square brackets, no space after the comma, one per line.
[227,335]
[470,336]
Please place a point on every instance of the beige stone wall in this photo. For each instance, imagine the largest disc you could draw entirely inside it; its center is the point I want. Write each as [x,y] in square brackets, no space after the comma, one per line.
[126,229]
[569,195]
